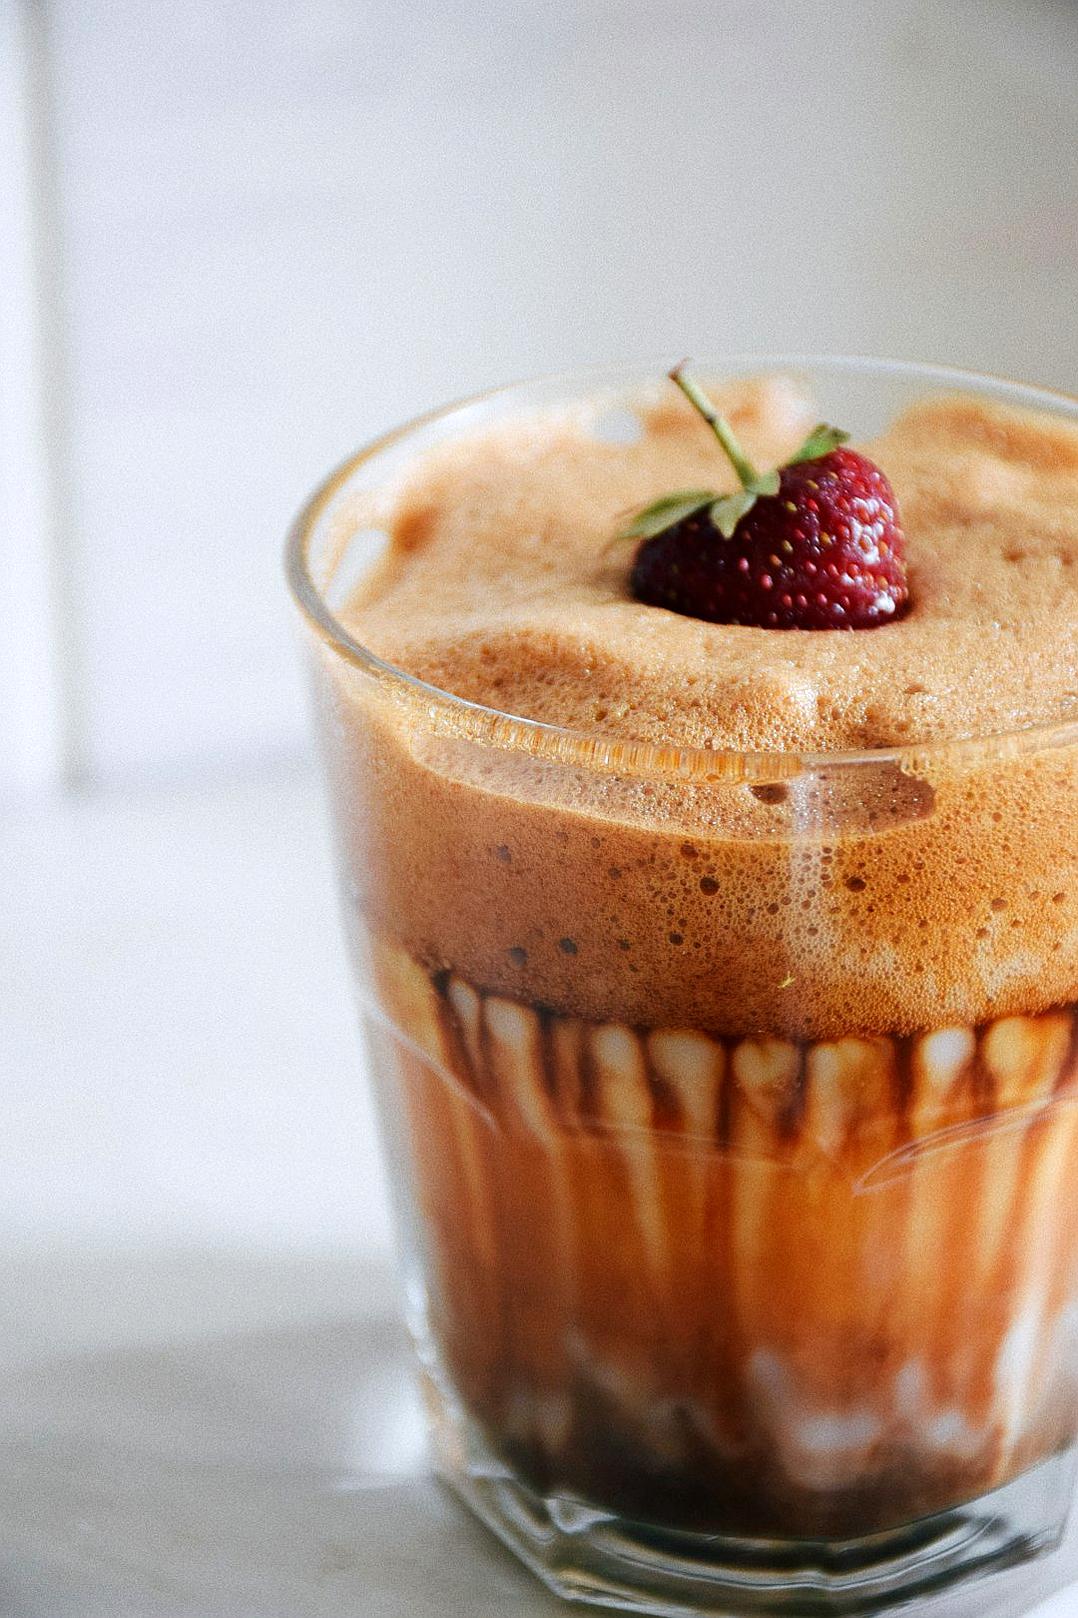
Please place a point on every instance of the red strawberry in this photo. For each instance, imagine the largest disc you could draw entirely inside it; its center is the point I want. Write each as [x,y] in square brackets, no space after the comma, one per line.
[815,545]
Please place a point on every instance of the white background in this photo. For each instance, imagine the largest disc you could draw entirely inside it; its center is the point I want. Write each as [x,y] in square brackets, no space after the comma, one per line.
[238,236]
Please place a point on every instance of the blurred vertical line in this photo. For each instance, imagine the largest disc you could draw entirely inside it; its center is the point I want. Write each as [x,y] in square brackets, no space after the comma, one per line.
[43,685]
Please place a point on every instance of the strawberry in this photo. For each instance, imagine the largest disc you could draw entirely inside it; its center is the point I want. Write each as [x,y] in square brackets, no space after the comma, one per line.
[815,544]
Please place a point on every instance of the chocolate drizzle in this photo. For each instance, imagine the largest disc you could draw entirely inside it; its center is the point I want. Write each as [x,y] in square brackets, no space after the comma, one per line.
[548,1058]
[902,1087]
[793,1111]
[661,1262]
[576,1101]
[666,1113]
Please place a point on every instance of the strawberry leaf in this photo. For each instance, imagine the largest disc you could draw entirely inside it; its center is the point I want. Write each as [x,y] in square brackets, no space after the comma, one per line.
[764,483]
[728,512]
[666,511]
[820,441]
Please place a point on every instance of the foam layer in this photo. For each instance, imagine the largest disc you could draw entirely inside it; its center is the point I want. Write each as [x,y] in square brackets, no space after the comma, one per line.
[502,586]
[886,899]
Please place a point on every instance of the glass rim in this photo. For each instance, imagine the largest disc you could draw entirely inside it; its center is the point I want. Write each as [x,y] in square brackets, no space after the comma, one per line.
[607,751]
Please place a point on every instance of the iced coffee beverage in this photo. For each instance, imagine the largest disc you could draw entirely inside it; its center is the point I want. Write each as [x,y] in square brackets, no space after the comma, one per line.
[707,802]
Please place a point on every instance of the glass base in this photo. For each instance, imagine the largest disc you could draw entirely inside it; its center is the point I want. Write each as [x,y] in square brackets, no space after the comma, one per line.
[587,1555]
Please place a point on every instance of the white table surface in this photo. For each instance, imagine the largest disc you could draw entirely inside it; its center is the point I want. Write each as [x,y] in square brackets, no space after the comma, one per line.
[176,1024]
[205,1402]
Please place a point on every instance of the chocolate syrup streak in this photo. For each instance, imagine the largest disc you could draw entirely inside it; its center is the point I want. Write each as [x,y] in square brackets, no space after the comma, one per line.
[743,1285]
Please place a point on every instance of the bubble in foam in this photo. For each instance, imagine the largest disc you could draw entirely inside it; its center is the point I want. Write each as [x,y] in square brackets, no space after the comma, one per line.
[771,792]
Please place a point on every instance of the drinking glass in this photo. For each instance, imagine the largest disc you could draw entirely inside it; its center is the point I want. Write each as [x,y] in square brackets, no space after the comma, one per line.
[733,1286]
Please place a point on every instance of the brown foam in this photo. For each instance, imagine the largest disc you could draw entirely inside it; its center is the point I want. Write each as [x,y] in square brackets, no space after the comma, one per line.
[887,899]
[502,586]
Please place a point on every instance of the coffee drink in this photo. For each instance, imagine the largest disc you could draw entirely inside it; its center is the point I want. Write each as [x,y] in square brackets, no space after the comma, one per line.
[722,982]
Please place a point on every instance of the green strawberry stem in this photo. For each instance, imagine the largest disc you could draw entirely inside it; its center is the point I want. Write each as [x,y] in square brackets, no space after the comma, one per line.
[724,510]
[719,426]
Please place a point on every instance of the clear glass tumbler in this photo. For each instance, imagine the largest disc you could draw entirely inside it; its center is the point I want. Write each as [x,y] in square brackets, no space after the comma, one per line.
[753,1302]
